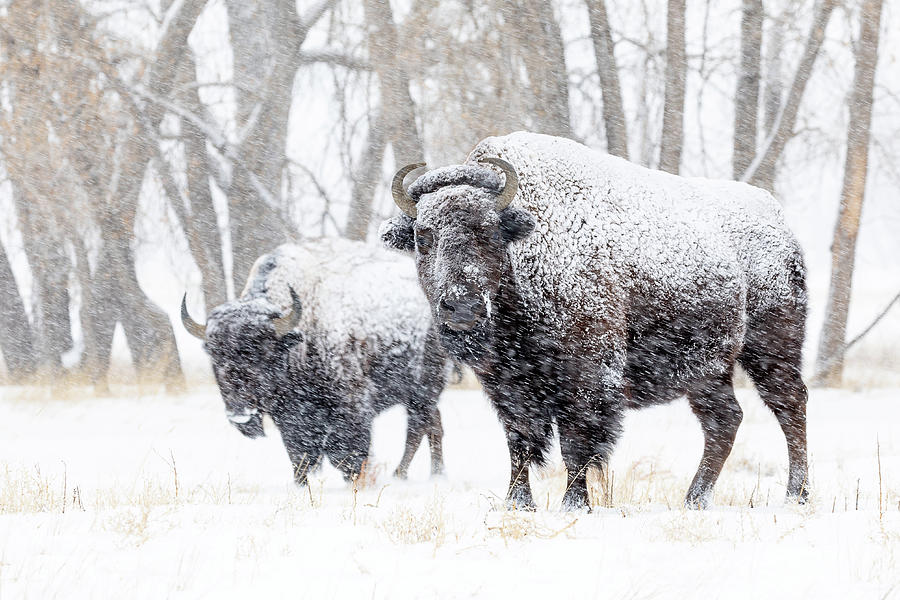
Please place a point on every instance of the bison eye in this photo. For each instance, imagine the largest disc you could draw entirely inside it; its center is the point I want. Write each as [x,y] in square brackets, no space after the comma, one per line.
[424,240]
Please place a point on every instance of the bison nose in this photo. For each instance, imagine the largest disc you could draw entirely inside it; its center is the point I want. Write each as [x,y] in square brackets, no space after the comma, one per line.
[462,314]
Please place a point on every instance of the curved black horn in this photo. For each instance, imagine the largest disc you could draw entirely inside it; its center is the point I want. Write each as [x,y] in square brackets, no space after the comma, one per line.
[512,181]
[401,198]
[193,327]
[289,320]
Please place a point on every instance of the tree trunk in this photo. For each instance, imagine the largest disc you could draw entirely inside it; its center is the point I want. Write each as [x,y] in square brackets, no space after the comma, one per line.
[266,37]
[89,367]
[174,66]
[203,229]
[830,360]
[50,268]
[604,54]
[774,79]
[746,97]
[116,295]
[395,122]
[201,225]
[543,54]
[16,337]
[366,180]
[762,171]
[676,72]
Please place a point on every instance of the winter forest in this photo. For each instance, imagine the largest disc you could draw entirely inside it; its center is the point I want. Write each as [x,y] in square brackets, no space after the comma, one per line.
[154,150]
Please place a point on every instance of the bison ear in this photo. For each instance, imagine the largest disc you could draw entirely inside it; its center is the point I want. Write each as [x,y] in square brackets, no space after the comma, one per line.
[397,233]
[516,224]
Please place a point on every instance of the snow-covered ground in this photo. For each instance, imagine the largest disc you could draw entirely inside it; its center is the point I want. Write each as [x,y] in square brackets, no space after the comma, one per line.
[155,496]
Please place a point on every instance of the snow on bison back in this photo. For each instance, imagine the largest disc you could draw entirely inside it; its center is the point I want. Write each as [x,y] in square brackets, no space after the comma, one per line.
[578,284]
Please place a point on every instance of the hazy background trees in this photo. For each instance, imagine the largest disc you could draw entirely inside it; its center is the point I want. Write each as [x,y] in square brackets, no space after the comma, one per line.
[150,147]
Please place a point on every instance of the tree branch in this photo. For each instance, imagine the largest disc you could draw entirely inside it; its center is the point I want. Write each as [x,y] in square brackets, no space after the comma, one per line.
[333,57]
[873,323]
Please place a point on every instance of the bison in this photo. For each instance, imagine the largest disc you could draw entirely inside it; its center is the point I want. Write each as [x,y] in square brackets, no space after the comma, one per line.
[577,285]
[325,336]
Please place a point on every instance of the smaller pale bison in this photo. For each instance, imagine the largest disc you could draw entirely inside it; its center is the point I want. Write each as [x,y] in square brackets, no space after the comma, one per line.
[325,336]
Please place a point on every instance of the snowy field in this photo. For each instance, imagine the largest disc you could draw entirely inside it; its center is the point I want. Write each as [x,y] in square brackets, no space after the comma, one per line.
[157,496]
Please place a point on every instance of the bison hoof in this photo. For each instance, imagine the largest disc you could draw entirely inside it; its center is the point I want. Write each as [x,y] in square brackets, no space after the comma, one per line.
[401,473]
[520,501]
[801,497]
[575,500]
[698,501]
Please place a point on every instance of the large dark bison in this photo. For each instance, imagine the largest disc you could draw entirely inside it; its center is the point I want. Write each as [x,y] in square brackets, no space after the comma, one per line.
[578,285]
[324,337]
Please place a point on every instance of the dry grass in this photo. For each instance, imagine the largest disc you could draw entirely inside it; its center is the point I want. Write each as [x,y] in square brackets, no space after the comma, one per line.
[30,490]
[519,525]
[408,525]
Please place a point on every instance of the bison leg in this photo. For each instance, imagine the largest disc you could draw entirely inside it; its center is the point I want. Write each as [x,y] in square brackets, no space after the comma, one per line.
[303,464]
[417,421]
[348,447]
[522,413]
[720,416]
[304,459]
[435,443]
[783,391]
[587,435]
[420,422]
[576,496]
[518,496]
[772,357]
[304,443]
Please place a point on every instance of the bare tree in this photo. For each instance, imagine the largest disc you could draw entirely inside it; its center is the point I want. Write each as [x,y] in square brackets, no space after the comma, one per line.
[774,79]
[43,241]
[16,337]
[746,97]
[394,123]
[32,78]
[266,38]
[266,53]
[173,76]
[830,360]
[542,52]
[672,137]
[604,54]
[67,119]
[762,170]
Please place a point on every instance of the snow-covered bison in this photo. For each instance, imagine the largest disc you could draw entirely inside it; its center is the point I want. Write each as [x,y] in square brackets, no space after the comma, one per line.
[578,285]
[325,336]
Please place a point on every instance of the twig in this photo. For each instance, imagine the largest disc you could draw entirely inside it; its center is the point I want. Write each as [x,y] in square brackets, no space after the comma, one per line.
[335,58]
[175,473]
[873,323]
[64,493]
[880,495]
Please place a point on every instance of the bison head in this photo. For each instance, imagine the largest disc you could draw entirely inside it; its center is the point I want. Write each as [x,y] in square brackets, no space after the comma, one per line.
[248,342]
[458,221]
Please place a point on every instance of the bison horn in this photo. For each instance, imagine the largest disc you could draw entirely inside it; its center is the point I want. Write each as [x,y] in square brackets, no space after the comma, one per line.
[287,322]
[193,327]
[512,181]
[401,198]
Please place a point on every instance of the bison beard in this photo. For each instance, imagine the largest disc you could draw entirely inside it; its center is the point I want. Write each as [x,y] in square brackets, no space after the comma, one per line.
[470,346]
